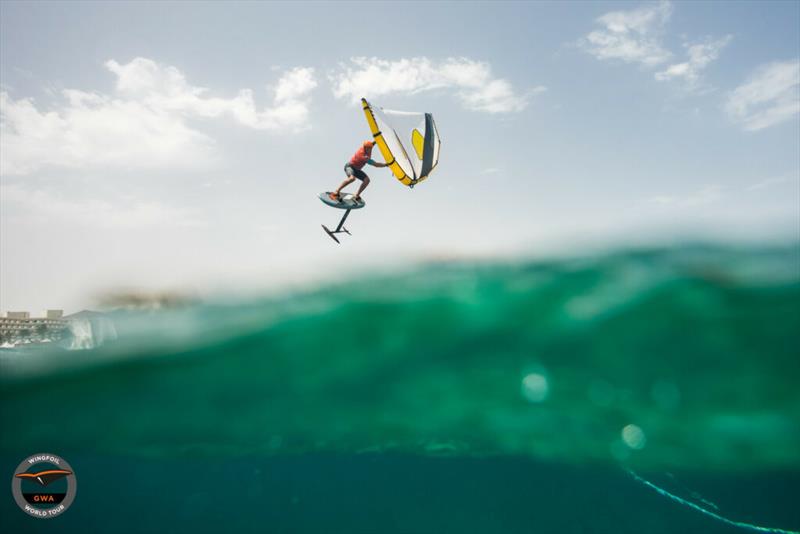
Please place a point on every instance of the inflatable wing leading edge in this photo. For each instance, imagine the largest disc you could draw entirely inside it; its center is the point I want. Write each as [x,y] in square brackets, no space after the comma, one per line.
[408,141]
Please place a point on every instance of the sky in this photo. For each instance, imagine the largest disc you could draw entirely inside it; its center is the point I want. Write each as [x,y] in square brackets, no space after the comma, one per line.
[181,146]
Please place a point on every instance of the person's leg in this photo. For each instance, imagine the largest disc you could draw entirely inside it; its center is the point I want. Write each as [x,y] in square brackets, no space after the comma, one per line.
[364,184]
[348,171]
[347,181]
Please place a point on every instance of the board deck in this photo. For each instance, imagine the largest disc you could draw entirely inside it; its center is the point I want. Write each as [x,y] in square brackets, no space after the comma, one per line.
[346,202]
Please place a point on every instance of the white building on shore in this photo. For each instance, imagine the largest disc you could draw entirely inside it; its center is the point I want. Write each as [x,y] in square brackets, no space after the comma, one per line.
[84,330]
[19,323]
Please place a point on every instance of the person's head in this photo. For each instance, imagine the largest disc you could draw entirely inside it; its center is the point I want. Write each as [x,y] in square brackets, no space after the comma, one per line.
[368,144]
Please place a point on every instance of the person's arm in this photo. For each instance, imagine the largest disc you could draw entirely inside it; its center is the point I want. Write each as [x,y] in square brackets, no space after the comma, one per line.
[376,164]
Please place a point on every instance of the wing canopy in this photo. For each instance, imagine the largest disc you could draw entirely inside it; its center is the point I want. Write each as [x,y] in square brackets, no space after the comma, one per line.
[409,142]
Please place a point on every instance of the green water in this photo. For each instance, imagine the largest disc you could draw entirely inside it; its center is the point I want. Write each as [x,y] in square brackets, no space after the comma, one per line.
[694,349]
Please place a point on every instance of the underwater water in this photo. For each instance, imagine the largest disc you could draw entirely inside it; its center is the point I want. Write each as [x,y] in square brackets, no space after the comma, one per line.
[528,396]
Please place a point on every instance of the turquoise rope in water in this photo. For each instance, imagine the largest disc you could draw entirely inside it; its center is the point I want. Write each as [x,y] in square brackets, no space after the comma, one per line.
[709,513]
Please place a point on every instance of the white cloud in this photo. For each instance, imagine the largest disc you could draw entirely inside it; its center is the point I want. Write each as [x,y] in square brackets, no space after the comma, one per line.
[771,95]
[144,124]
[471,80]
[165,88]
[708,194]
[635,36]
[700,56]
[632,36]
[704,196]
[770,182]
[663,200]
[44,206]
[94,130]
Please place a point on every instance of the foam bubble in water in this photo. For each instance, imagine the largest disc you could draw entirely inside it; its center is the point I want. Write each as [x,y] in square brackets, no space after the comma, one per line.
[634,437]
[535,387]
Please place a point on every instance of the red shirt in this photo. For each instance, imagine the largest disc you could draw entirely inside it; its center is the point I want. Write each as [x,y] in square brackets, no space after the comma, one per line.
[360,158]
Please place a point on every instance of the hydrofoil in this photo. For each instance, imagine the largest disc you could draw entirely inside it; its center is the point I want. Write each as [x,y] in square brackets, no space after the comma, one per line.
[346,202]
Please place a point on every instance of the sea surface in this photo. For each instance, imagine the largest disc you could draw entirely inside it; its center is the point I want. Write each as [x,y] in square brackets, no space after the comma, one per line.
[644,390]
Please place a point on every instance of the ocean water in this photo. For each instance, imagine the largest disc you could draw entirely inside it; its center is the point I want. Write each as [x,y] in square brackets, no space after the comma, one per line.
[648,390]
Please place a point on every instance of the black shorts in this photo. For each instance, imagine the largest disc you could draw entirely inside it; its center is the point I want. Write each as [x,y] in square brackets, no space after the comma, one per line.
[358,173]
